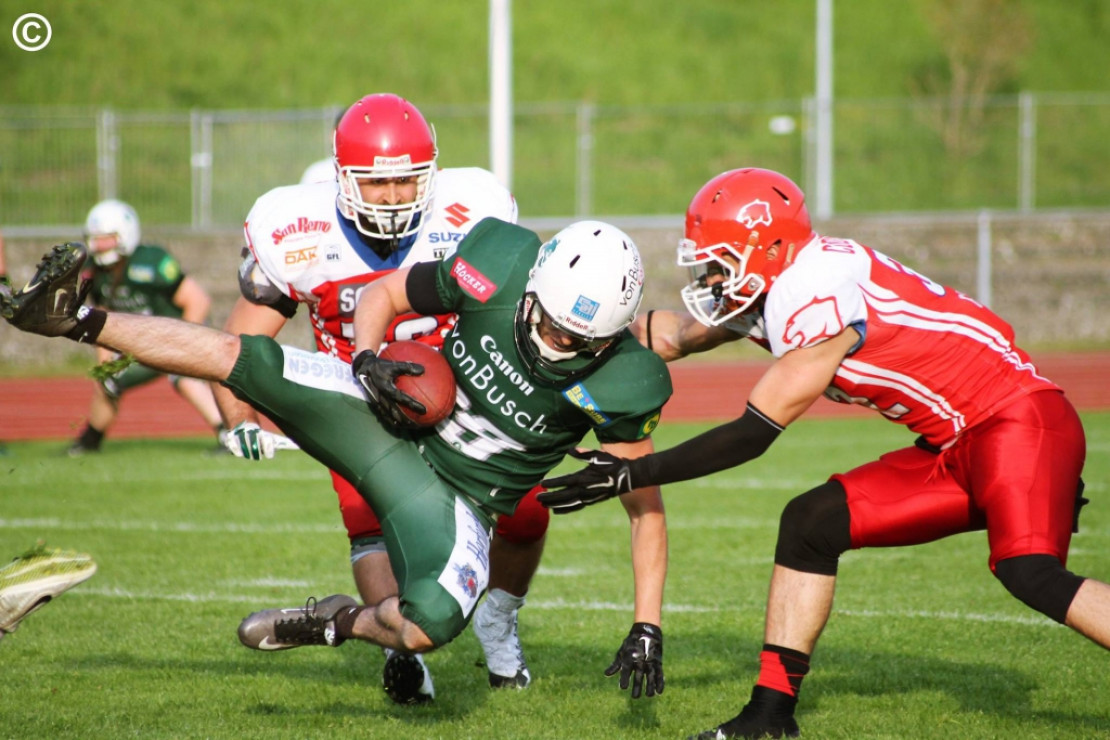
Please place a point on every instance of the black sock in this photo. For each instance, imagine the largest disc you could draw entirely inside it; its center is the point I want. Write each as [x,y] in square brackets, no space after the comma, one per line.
[90,438]
[90,322]
[345,621]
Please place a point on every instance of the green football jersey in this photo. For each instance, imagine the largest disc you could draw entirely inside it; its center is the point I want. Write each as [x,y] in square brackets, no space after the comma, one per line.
[147,285]
[510,428]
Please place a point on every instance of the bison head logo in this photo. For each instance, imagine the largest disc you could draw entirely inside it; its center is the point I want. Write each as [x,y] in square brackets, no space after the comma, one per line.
[755,213]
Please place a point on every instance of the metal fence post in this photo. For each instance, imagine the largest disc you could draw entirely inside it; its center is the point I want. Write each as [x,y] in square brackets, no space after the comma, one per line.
[583,190]
[200,163]
[107,142]
[1027,150]
[983,278]
[809,144]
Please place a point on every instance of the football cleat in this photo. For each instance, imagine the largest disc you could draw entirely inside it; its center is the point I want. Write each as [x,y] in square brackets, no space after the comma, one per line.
[49,303]
[37,577]
[281,629]
[770,713]
[406,679]
[79,448]
[497,632]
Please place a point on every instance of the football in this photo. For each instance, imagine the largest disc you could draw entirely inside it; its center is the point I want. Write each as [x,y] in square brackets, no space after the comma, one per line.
[435,388]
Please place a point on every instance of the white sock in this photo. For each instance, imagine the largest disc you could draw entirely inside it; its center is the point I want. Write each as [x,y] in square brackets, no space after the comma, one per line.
[503,601]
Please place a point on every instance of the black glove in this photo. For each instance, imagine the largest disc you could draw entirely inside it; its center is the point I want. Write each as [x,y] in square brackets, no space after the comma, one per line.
[605,477]
[641,657]
[379,377]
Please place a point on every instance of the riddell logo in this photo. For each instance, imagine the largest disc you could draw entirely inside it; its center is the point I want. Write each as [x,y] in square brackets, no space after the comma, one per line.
[457,214]
[472,281]
[755,213]
[300,226]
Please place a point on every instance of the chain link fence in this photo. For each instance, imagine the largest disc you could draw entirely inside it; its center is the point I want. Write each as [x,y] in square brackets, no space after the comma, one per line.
[203,169]
[1019,219]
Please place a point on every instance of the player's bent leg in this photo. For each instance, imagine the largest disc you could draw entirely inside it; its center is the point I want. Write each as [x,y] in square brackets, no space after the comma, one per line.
[515,553]
[1041,582]
[405,677]
[814,530]
[1089,614]
[495,626]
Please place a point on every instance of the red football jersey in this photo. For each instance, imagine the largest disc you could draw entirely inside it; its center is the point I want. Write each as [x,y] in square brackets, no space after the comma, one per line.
[930,357]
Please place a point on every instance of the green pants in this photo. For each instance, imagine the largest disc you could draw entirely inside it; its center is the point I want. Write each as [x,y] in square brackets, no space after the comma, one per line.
[438,543]
[132,376]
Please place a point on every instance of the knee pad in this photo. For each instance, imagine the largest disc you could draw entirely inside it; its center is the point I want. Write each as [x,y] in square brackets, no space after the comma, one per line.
[527,524]
[1040,582]
[814,530]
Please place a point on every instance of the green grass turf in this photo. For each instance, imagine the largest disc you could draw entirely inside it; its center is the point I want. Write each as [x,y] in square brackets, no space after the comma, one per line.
[923,643]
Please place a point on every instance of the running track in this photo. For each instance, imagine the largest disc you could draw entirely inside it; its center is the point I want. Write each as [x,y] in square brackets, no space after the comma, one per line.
[55,408]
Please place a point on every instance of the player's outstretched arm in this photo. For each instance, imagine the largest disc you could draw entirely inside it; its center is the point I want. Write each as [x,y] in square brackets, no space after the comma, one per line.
[639,660]
[785,391]
[673,334]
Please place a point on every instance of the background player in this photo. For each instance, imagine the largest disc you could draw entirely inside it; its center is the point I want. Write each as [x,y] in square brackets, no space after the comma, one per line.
[309,244]
[137,278]
[1001,448]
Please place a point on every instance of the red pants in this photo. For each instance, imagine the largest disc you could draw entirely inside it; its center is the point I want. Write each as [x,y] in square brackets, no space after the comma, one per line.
[1014,475]
[527,524]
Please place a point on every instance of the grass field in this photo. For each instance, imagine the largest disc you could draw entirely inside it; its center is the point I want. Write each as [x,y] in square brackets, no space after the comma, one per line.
[923,643]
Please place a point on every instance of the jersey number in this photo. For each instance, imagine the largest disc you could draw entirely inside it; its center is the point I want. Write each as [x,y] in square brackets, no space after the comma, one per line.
[472,434]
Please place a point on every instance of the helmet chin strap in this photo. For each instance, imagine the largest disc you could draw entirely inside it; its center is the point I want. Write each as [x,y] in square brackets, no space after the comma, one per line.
[547,352]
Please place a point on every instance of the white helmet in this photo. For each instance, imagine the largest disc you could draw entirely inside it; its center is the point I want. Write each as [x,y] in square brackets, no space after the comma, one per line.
[111,232]
[588,282]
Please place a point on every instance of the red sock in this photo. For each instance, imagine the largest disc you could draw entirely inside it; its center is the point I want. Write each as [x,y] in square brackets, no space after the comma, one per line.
[782,669]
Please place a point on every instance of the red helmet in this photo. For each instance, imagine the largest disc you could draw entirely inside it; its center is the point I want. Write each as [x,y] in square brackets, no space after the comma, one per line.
[746,225]
[384,136]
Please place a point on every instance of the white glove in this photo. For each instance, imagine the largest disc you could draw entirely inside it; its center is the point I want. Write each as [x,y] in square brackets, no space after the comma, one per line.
[251,442]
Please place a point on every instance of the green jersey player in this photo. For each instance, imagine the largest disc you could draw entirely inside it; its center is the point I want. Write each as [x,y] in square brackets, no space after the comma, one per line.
[132,277]
[541,354]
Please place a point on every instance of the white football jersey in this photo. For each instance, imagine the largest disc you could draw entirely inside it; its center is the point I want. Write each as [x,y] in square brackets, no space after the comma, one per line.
[310,253]
[929,356]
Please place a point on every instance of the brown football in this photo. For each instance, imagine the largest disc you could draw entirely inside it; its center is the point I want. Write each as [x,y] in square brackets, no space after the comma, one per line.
[435,388]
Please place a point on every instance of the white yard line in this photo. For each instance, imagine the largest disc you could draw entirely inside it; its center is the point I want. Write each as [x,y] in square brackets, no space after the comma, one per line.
[560,604]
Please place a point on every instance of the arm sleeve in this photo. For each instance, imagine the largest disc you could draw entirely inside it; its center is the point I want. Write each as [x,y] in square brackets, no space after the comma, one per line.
[722,447]
[420,285]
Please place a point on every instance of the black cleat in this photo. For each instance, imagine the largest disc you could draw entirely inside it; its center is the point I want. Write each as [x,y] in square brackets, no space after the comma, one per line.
[49,303]
[406,679]
[770,713]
